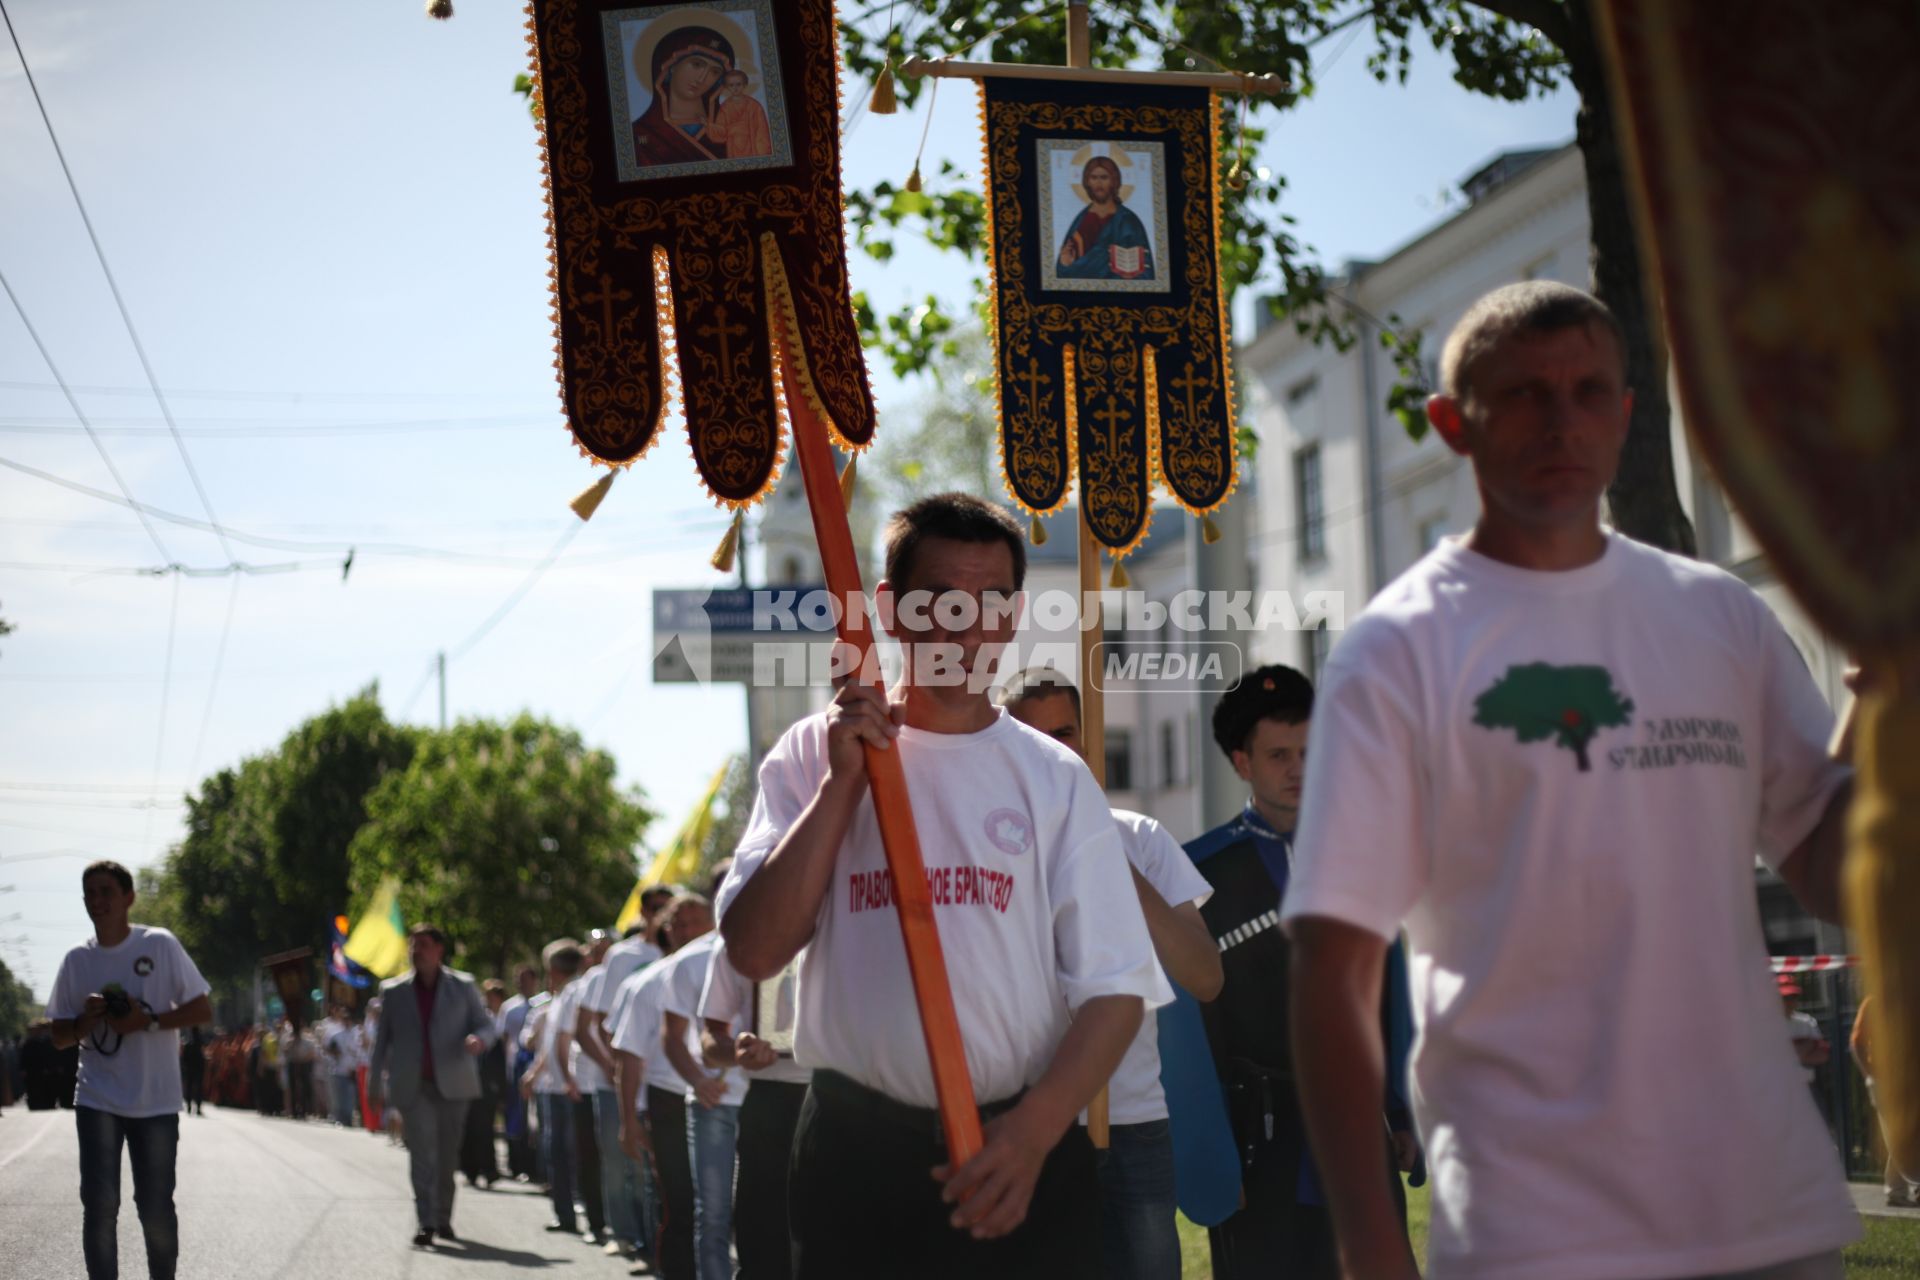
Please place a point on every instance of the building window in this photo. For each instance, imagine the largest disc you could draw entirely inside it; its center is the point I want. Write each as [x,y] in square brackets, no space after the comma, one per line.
[1432,530]
[1309,504]
[1314,649]
[1170,771]
[1300,392]
[1119,760]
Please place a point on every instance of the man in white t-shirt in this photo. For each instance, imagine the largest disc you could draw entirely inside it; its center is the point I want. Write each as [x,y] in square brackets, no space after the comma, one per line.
[1048,959]
[713,1098]
[123,997]
[620,1182]
[511,1017]
[1139,1238]
[652,1086]
[731,1035]
[1553,752]
[548,1083]
[587,1077]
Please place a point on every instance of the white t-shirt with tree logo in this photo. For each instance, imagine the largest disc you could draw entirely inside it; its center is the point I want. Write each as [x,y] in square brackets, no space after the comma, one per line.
[1559,782]
[139,1075]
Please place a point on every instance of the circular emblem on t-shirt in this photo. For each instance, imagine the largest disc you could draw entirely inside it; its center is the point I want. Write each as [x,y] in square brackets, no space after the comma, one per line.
[143,966]
[1009,831]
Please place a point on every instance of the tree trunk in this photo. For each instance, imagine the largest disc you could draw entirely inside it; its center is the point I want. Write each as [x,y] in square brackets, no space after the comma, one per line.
[1643,498]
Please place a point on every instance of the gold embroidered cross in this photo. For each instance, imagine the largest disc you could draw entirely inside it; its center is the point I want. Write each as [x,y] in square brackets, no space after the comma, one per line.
[1035,381]
[1110,418]
[1837,295]
[607,296]
[1190,384]
[720,331]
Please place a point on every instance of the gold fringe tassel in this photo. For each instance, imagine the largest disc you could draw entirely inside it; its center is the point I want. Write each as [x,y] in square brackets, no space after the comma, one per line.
[884,103]
[1119,581]
[1037,533]
[592,496]
[847,478]
[441,9]
[913,179]
[1209,531]
[724,553]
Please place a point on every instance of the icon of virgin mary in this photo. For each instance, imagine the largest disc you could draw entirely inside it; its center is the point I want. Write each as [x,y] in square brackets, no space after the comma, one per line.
[1107,240]
[697,103]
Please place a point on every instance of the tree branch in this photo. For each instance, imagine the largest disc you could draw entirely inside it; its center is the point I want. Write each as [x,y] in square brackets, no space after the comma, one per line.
[1548,17]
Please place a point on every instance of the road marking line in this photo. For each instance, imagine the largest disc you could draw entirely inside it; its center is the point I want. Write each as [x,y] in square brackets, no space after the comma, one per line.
[43,1131]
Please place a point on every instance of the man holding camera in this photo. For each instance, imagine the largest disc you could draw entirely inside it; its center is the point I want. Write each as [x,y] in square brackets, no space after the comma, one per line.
[123,997]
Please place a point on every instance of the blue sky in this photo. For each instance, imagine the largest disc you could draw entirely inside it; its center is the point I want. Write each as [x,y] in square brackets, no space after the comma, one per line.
[325,222]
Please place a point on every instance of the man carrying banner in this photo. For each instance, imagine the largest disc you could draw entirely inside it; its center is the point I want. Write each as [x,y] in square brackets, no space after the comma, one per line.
[1553,753]
[1037,917]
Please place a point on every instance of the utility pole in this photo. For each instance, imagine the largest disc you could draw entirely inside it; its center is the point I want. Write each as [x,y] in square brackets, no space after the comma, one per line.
[440,665]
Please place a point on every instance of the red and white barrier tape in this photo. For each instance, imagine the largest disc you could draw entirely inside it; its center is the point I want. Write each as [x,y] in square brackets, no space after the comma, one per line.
[1812,964]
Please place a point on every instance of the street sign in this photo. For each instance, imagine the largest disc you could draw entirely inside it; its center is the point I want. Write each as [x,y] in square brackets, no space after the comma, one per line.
[740,635]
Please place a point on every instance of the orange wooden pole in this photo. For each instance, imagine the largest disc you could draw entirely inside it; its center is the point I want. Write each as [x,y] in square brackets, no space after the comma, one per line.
[926,962]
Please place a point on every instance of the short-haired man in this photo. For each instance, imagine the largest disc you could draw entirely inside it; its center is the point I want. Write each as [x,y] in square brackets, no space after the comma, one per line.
[123,997]
[546,1082]
[621,1186]
[1553,752]
[715,1092]
[1049,959]
[1139,1237]
[433,1027]
[509,1019]
[1283,1227]
[652,1086]
[584,1079]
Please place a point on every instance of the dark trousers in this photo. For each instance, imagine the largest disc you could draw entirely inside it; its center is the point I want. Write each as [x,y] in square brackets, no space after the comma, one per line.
[193,1078]
[768,1119]
[556,1149]
[1138,1238]
[152,1142]
[586,1154]
[673,1239]
[1273,1234]
[863,1201]
[478,1158]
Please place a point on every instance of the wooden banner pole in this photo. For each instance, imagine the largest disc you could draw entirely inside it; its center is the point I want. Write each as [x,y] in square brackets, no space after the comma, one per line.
[1093,708]
[926,962]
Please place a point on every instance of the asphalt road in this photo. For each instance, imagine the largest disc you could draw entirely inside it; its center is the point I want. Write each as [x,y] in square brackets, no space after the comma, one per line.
[272,1198]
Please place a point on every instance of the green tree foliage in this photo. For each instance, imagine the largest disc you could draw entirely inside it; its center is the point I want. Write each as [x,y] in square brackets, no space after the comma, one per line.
[17,1005]
[946,439]
[1506,49]
[503,834]
[1538,700]
[264,863]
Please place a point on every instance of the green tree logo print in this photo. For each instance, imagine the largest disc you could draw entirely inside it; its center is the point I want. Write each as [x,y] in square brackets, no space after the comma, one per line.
[1538,700]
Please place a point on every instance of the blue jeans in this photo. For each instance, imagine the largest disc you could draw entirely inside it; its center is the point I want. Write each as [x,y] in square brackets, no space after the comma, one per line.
[620,1185]
[711,1135]
[1138,1239]
[343,1099]
[556,1144]
[151,1143]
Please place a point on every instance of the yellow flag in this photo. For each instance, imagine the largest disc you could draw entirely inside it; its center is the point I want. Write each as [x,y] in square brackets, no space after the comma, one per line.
[378,942]
[680,859]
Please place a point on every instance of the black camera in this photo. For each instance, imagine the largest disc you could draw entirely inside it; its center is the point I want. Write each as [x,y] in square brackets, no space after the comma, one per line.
[119,1004]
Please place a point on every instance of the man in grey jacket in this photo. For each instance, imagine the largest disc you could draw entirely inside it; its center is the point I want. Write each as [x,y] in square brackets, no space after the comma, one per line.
[434,1024]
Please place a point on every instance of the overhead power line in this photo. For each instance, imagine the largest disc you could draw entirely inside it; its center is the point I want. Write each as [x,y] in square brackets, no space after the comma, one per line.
[113,285]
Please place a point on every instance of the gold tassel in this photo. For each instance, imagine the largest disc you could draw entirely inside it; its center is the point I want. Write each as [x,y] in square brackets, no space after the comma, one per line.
[1119,581]
[913,179]
[723,554]
[1209,531]
[883,103]
[592,496]
[1037,533]
[443,9]
[847,477]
